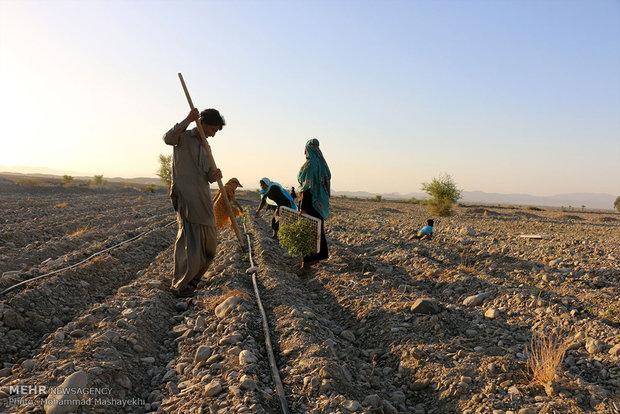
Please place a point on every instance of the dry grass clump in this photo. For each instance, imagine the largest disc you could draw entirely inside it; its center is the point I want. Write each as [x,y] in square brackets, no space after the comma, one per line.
[80,231]
[398,306]
[544,359]
[468,266]
[99,259]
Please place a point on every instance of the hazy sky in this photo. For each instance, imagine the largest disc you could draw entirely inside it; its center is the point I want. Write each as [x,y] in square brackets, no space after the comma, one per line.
[504,96]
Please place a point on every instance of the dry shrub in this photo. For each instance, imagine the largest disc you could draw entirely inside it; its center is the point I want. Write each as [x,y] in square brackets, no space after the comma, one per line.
[100,260]
[80,231]
[61,205]
[468,266]
[216,300]
[544,359]
[398,306]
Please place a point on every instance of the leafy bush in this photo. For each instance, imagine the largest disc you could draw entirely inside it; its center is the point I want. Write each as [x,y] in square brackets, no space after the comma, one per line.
[444,193]
[617,203]
[441,208]
[297,238]
[378,198]
[165,169]
[67,179]
[97,181]
[150,188]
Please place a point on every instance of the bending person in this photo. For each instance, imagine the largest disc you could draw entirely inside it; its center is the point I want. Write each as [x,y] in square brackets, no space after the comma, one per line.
[219,205]
[314,191]
[274,191]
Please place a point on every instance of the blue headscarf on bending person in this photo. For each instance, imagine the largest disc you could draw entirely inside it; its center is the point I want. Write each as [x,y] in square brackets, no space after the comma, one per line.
[315,176]
[270,184]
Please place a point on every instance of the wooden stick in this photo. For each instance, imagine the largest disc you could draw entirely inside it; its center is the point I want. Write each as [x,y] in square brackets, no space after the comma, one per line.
[203,138]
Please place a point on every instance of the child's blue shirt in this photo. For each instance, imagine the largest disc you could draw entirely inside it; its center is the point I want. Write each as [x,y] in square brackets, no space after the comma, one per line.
[427,230]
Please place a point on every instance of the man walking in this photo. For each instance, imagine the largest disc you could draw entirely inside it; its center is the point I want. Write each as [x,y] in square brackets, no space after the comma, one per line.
[192,172]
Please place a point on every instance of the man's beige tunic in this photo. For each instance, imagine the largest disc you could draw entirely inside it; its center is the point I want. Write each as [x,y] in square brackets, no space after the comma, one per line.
[196,241]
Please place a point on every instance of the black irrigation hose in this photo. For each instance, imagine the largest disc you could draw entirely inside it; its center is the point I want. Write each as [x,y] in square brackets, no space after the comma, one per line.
[5,291]
[272,360]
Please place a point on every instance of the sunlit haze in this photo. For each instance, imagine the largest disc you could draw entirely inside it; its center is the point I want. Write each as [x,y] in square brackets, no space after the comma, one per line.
[504,96]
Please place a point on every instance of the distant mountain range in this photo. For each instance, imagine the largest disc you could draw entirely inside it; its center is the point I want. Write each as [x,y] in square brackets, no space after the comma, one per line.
[45,172]
[576,200]
[136,180]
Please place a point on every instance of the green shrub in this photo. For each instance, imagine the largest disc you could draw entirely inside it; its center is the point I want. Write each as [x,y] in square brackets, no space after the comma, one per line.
[165,169]
[378,198]
[617,203]
[67,179]
[150,188]
[444,193]
[441,208]
[98,180]
[297,238]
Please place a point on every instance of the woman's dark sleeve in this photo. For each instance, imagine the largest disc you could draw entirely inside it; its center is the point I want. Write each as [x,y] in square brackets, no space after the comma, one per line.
[306,201]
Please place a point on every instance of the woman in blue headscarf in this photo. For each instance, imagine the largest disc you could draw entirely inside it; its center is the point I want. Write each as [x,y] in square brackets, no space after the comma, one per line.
[314,191]
[274,191]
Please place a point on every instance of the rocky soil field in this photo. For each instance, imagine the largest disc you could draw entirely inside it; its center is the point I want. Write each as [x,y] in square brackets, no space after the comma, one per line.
[388,324]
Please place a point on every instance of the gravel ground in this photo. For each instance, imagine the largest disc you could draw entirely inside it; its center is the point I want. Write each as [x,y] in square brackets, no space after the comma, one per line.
[387,325]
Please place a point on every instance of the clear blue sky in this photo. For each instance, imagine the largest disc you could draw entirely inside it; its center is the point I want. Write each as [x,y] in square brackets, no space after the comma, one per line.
[505,96]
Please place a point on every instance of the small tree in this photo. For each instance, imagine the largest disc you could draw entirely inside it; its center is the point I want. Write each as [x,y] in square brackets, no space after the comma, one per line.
[67,179]
[165,169]
[444,193]
[297,238]
[378,198]
[617,203]
[98,180]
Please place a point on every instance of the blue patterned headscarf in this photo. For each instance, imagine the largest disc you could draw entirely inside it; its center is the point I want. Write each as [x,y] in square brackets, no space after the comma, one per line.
[270,184]
[315,176]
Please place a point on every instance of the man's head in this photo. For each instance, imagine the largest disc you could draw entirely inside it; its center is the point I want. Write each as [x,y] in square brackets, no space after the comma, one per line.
[211,121]
[430,222]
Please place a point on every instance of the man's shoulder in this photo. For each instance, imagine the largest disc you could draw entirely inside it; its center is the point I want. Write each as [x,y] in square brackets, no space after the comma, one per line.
[187,136]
